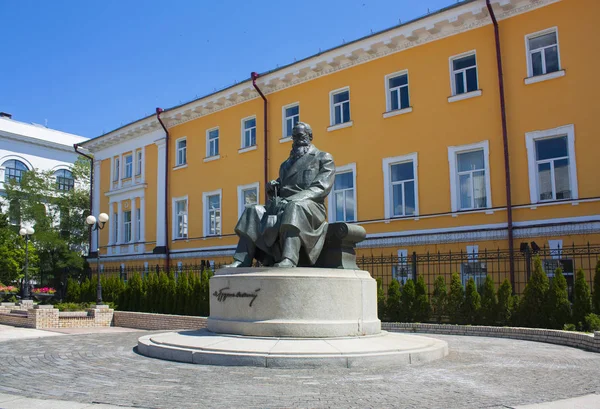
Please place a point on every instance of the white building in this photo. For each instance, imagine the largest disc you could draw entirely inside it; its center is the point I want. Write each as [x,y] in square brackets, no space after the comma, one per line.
[26,147]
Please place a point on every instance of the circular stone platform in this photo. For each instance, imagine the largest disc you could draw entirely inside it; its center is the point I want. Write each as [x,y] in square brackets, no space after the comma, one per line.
[207,348]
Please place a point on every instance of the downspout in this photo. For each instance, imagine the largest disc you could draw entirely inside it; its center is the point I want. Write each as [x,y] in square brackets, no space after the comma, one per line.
[167,255]
[254,76]
[76,147]
[511,256]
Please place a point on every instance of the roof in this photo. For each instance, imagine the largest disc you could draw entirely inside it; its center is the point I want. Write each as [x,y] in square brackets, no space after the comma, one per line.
[16,129]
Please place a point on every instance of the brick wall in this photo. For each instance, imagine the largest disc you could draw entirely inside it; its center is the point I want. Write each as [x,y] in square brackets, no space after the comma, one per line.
[45,316]
[16,320]
[148,321]
[589,342]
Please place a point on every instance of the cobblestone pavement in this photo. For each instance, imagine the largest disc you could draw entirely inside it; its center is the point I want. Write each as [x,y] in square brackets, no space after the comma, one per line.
[478,373]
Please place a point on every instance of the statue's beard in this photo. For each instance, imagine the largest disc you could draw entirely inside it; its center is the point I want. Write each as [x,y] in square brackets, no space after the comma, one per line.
[299,149]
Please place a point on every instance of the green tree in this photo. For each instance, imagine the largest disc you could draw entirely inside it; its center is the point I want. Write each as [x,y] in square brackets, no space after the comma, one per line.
[162,295]
[582,300]
[392,305]
[456,299]
[192,301]
[505,304]
[73,293]
[558,307]
[183,290]
[422,306]
[439,298]
[532,311]
[205,293]
[407,301]
[596,294]
[380,300]
[472,304]
[489,303]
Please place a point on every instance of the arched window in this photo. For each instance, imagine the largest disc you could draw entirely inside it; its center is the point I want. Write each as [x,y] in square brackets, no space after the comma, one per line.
[13,170]
[64,179]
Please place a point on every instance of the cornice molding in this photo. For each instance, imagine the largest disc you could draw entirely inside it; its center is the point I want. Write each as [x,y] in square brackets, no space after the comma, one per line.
[36,141]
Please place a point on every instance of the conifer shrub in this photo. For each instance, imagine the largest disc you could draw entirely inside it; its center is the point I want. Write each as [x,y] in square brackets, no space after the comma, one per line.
[515,310]
[456,299]
[422,306]
[205,293]
[380,300]
[171,295]
[134,294]
[439,298]
[558,306]
[489,303]
[392,305]
[407,302]
[162,295]
[73,293]
[582,300]
[596,293]
[532,309]
[183,288]
[472,304]
[592,322]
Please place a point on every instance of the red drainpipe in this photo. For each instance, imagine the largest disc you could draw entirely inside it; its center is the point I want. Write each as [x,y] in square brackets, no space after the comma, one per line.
[254,76]
[505,142]
[76,147]
[167,255]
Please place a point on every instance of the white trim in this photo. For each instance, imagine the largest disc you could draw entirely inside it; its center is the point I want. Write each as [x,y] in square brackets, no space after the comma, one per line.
[242,121]
[351,167]
[177,164]
[388,102]
[174,215]
[240,189]
[205,225]
[530,138]
[180,167]
[124,166]
[211,158]
[544,77]
[19,158]
[452,79]
[161,168]
[390,114]
[284,140]
[248,149]
[332,123]
[208,131]
[527,52]
[284,120]
[340,126]
[142,209]
[452,152]
[466,95]
[386,164]
[116,192]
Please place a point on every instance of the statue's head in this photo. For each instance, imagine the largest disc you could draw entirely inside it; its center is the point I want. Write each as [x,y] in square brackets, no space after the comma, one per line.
[302,134]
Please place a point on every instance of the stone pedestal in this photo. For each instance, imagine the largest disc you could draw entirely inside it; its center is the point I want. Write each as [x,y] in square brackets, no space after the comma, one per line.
[296,302]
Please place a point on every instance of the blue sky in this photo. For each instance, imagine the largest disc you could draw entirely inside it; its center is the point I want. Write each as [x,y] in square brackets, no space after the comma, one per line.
[88,67]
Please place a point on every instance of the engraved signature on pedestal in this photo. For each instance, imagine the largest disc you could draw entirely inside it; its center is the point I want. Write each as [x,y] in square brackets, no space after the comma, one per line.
[222,295]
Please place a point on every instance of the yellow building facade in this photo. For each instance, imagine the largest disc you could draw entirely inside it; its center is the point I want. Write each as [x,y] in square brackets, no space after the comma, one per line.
[412,117]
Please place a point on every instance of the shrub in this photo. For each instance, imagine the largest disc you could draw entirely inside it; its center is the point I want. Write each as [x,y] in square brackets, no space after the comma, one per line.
[205,293]
[505,305]
[422,306]
[380,300]
[407,302]
[70,306]
[392,306]
[73,293]
[532,311]
[558,306]
[592,322]
[472,304]
[489,303]
[88,290]
[134,294]
[596,293]
[569,327]
[439,298]
[582,300]
[456,299]
[515,310]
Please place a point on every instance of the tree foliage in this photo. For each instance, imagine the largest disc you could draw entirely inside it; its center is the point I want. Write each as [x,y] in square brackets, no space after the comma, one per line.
[472,304]
[582,300]
[456,299]
[596,293]
[489,302]
[558,308]
[392,305]
[532,311]
[439,298]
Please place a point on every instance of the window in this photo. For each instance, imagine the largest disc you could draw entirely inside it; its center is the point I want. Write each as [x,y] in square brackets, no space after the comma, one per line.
[138,163]
[552,169]
[247,195]
[464,74]
[64,180]
[127,226]
[248,132]
[117,169]
[400,186]
[291,116]
[212,142]
[13,170]
[402,271]
[474,269]
[128,166]
[343,198]
[397,91]
[181,217]
[181,152]
[212,213]
[470,176]
[340,106]
[116,226]
[542,53]
[138,229]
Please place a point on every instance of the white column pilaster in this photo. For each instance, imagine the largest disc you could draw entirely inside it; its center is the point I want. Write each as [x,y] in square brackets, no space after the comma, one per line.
[121,171]
[119,222]
[143,219]
[160,192]
[133,208]
[112,173]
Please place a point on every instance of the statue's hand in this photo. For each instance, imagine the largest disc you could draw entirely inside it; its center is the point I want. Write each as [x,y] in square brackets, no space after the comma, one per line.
[271,187]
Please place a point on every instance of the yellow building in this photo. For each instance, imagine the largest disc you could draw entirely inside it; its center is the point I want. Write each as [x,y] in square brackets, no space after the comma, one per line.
[413,118]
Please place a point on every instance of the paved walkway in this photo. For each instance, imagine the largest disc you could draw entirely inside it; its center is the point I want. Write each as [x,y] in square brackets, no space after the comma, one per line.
[478,373]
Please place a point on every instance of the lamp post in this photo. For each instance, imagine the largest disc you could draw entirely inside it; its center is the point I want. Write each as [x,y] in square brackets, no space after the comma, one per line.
[97,225]
[26,233]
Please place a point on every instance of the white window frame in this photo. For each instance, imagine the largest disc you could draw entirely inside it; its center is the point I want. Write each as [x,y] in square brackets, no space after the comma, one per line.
[128,168]
[452,72]
[332,108]
[530,138]
[139,155]
[240,195]
[284,135]
[388,92]
[176,233]
[205,216]
[387,184]
[177,151]
[127,238]
[453,151]
[116,232]
[529,52]
[208,131]
[243,132]
[117,169]
[351,167]
[138,226]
